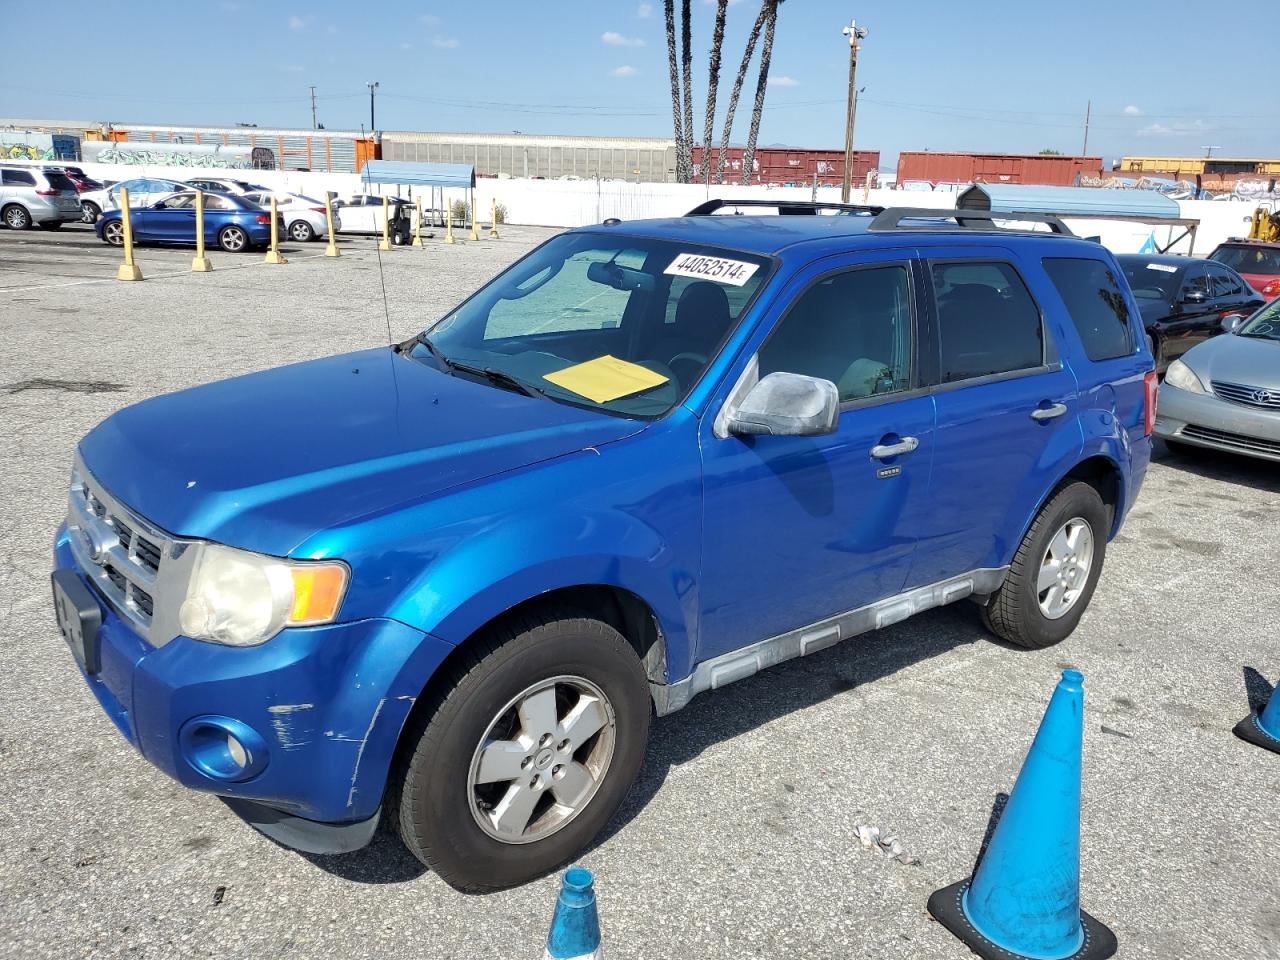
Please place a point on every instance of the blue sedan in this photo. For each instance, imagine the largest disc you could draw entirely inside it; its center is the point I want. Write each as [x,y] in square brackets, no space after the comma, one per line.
[233,223]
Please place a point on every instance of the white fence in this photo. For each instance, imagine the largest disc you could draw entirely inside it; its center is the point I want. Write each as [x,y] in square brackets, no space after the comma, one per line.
[574,203]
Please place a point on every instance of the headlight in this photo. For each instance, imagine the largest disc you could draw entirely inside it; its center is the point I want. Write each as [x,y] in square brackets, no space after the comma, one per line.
[241,599]
[1181,376]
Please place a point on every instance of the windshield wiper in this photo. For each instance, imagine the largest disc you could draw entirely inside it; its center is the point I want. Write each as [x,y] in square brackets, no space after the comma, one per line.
[499,378]
[435,351]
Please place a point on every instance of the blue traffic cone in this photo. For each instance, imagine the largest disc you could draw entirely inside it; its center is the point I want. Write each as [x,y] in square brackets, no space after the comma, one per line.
[1024,897]
[575,928]
[1262,729]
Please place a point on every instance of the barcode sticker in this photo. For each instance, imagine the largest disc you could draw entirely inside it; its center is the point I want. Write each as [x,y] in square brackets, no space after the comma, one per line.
[733,272]
[1162,267]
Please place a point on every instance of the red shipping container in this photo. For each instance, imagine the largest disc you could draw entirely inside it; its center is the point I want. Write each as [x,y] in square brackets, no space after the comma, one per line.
[995,168]
[781,166]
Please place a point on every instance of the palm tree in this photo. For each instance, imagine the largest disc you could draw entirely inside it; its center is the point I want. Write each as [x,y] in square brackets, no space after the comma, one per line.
[754,36]
[713,84]
[766,54]
[686,63]
[681,172]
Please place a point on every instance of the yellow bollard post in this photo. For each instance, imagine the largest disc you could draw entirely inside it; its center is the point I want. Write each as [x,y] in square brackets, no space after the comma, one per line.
[385,242]
[128,270]
[273,255]
[448,222]
[475,230]
[417,223]
[200,263]
[493,227]
[332,249]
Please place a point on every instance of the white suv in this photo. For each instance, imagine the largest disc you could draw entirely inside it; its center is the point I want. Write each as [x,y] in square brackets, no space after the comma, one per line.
[29,195]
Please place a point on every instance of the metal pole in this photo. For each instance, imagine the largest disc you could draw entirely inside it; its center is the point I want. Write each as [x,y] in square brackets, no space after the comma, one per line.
[854,33]
[1084,151]
[475,231]
[313,108]
[372,124]
[200,263]
[417,223]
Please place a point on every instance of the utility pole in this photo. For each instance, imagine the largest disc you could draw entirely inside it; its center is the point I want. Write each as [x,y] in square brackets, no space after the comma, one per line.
[1084,151]
[854,33]
[1208,151]
[373,87]
[313,107]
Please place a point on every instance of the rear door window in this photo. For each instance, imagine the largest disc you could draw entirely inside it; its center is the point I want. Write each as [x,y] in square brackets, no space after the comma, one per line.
[988,323]
[1224,283]
[1196,281]
[59,180]
[1096,304]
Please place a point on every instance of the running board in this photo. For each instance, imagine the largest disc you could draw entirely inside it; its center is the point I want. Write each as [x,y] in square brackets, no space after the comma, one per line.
[740,664]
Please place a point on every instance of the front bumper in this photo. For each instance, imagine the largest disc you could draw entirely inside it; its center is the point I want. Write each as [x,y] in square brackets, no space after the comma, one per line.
[327,705]
[1204,420]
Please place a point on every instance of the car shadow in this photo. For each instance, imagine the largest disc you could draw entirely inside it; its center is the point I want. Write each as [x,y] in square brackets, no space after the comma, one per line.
[1220,465]
[717,716]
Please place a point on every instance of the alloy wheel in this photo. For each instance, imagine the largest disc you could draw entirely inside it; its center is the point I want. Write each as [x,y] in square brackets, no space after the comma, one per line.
[1064,569]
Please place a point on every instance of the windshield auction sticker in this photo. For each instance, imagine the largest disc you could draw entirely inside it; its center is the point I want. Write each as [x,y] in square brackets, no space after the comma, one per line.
[733,272]
[1162,267]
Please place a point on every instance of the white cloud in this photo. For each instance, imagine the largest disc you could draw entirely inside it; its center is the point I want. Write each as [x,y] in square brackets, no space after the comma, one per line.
[429,19]
[445,43]
[624,71]
[615,39]
[644,11]
[783,82]
[297,23]
[1132,111]
[1179,128]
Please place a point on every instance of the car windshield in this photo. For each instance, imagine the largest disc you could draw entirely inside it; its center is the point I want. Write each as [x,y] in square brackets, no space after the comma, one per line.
[621,324]
[1248,258]
[1265,324]
[1150,279]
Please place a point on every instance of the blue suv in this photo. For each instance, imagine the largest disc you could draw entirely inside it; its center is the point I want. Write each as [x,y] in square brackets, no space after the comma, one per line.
[451,580]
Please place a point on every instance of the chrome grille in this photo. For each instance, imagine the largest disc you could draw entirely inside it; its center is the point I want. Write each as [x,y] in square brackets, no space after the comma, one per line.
[1268,398]
[140,570]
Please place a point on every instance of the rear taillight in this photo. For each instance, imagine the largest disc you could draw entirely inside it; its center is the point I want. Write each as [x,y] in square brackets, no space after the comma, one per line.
[263,218]
[316,209]
[1272,289]
[47,193]
[1150,387]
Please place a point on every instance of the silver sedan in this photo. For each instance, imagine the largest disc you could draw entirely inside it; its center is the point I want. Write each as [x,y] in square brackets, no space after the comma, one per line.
[1225,393]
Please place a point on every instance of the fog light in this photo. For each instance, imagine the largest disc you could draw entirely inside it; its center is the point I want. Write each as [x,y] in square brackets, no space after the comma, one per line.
[221,748]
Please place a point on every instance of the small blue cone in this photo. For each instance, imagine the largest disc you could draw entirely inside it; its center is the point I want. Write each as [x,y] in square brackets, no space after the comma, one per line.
[1262,729]
[1024,897]
[575,928]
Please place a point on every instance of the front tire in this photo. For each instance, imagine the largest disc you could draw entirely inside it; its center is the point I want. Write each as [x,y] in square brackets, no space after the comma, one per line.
[113,233]
[525,751]
[89,212]
[1054,572]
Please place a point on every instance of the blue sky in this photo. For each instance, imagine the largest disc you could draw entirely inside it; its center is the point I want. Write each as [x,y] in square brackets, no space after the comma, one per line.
[996,75]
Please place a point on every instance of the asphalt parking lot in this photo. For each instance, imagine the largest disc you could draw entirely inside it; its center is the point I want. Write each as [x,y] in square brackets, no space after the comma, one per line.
[740,839]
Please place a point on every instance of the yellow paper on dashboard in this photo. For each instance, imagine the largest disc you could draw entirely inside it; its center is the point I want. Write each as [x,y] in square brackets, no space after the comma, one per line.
[606,378]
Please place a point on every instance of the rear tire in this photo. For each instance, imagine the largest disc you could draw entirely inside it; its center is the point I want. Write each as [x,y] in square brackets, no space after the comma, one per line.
[450,808]
[16,217]
[233,239]
[90,212]
[1054,572]
[301,231]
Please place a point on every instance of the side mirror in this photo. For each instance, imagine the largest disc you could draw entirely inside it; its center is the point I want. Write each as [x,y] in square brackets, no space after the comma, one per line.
[1195,297]
[788,405]
[1232,322]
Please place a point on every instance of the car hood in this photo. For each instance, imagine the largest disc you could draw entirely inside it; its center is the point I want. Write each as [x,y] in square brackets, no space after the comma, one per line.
[1231,359]
[265,461]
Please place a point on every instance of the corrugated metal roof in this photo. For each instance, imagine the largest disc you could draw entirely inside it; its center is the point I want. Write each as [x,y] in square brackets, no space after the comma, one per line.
[246,131]
[1083,201]
[418,174]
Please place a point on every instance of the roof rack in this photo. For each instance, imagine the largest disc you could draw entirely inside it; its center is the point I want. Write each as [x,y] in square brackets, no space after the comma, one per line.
[893,217]
[785,208]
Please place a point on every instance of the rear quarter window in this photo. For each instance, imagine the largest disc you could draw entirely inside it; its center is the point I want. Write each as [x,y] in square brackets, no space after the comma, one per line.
[1096,304]
[18,178]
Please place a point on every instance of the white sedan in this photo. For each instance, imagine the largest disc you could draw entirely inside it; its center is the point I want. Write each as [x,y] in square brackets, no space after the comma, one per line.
[303,216]
[143,191]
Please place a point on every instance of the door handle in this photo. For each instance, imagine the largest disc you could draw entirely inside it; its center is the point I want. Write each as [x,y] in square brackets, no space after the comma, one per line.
[1049,412]
[883,451]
